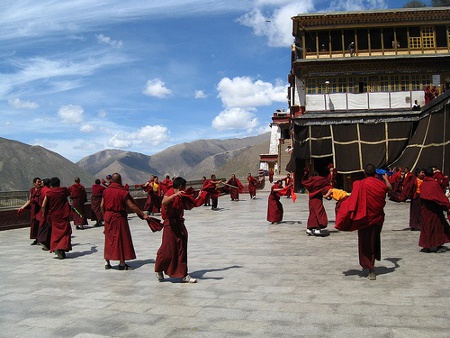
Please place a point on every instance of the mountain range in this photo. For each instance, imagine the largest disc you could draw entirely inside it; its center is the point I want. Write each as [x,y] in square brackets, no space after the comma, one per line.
[190,160]
[20,162]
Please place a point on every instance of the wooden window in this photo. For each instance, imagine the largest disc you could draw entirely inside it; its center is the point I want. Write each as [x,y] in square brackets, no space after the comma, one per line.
[384,83]
[415,41]
[311,86]
[416,83]
[374,83]
[428,37]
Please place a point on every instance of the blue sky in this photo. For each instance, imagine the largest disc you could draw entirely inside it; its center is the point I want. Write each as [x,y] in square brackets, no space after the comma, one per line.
[81,76]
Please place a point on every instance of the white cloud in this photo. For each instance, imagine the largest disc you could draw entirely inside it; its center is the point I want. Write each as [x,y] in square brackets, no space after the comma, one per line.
[244,92]
[19,104]
[71,114]
[153,135]
[45,17]
[157,89]
[120,141]
[107,40]
[58,74]
[277,24]
[200,94]
[147,135]
[235,118]
[102,113]
[87,128]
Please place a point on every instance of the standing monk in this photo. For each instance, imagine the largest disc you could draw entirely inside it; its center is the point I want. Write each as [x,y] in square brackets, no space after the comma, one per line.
[288,182]
[214,193]
[434,231]
[166,184]
[171,257]
[58,208]
[252,182]
[79,197]
[96,200]
[363,211]
[118,241]
[271,173]
[274,206]
[235,187]
[148,189]
[318,218]
[412,191]
[45,225]
[35,208]
[207,196]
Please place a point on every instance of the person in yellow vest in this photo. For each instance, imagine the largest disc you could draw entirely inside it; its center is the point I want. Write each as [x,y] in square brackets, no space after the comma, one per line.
[338,195]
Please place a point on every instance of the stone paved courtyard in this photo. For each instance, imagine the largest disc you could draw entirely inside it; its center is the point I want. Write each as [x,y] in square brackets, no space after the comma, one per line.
[255,279]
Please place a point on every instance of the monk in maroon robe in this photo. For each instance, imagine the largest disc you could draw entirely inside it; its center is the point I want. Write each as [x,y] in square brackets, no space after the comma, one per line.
[96,200]
[147,187]
[363,211]
[412,191]
[208,197]
[166,184]
[35,207]
[439,177]
[274,206]
[235,187]
[171,257]
[271,173]
[79,197]
[58,208]
[288,182]
[118,242]
[45,225]
[252,182]
[434,231]
[212,187]
[318,218]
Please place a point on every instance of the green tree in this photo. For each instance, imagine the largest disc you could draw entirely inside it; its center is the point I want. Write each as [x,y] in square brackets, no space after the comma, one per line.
[415,4]
[440,3]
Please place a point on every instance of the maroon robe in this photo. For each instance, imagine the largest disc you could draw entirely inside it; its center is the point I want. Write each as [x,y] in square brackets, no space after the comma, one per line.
[434,230]
[271,173]
[148,206]
[252,182]
[317,215]
[166,184]
[363,211]
[154,198]
[35,208]
[287,182]
[58,209]
[207,196]
[235,189]
[171,257]
[274,206]
[118,241]
[96,199]
[415,208]
[45,226]
[79,197]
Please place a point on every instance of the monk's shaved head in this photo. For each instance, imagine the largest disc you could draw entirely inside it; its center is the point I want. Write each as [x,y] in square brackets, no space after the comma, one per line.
[116,178]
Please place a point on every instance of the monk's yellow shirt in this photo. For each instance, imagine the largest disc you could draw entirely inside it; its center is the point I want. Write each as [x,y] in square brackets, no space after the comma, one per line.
[339,194]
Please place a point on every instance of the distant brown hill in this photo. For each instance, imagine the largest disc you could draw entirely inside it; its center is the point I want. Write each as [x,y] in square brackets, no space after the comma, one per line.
[191,160]
[20,163]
